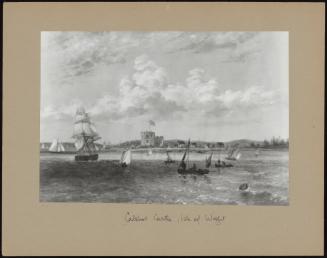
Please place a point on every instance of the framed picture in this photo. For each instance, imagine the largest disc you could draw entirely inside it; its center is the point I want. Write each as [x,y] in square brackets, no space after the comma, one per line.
[163,128]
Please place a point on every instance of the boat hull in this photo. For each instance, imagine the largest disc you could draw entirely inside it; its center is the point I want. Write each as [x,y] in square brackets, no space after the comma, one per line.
[87,157]
[123,165]
[169,161]
[58,152]
[192,171]
[223,166]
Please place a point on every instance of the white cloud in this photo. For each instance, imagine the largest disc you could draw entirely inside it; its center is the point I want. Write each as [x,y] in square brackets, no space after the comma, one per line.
[147,91]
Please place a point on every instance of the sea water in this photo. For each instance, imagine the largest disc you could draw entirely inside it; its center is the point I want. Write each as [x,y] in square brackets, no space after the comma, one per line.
[149,180]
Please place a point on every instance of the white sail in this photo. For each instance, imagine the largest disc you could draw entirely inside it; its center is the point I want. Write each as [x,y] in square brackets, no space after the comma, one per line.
[43,146]
[238,156]
[85,133]
[150,152]
[54,145]
[79,143]
[122,157]
[126,157]
[236,153]
[61,147]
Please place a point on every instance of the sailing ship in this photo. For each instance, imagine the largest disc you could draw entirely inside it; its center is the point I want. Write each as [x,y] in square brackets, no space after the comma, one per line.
[169,159]
[184,167]
[234,154]
[208,161]
[85,135]
[126,158]
[56,147]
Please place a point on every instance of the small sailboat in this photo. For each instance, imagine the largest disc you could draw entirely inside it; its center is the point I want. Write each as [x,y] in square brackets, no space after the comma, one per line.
[234,154]
[150,152]
[184,167]
[103,146]
[43,147]
[208,160]
[257,152]
[222,164]
[126,158]
[85,135]
[169,159]
[56,147]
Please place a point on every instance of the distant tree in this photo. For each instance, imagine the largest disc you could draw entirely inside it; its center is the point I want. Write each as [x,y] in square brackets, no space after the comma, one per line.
[266,143]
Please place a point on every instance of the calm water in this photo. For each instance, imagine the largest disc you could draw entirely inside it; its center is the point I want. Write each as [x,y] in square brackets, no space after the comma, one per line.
[149,180]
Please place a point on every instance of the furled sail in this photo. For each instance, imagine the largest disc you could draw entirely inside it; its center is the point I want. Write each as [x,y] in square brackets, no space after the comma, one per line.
[208,161]
[186,154]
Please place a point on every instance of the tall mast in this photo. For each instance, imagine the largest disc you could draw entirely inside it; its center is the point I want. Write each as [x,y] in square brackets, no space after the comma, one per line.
[188,152]
[84,130]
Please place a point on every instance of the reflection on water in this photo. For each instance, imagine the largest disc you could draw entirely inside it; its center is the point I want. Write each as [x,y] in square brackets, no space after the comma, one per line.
[150,180]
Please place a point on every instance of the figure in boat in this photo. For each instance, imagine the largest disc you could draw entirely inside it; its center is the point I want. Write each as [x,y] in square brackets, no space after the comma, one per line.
[169,159]
[234,154]
[85,135]
[222,164]
[126,158]
[184,167]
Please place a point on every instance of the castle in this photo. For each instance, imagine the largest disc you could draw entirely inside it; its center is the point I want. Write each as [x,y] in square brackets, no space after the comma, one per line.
[149,138]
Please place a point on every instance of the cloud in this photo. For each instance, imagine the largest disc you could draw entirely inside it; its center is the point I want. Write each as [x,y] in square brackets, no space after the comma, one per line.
[148,92]
[203,42]
[74,54]
[60,112]
[69,55]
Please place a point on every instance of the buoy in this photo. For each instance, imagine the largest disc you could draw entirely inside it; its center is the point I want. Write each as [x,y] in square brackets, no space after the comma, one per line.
[243,187]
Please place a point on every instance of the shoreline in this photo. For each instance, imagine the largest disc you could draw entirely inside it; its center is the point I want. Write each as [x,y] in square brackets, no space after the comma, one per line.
[164,150]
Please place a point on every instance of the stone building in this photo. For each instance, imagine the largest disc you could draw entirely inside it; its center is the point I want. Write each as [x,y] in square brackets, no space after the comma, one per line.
[158,141]
[148,138]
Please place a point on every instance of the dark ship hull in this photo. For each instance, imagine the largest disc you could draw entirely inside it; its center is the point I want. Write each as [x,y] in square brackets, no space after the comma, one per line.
[231,158]
[58,152]
[192,171]
[223,166]
[169,161]
[86,157]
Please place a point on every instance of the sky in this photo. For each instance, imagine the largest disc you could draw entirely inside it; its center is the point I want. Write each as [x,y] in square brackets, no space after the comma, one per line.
[211,86]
